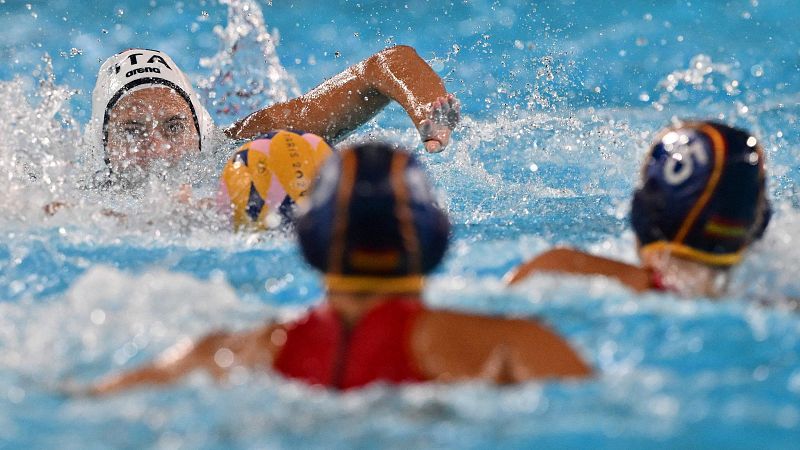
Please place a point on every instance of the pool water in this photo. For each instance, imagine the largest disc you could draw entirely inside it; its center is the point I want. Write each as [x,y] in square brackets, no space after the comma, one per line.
[560,100]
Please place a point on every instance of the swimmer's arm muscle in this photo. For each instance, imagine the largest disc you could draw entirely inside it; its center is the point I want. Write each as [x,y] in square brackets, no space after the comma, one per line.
[348,100]
[575,262]
[453,346]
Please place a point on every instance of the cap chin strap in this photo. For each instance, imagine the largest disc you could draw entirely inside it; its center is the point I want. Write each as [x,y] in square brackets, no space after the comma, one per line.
[692,254]
[374,285]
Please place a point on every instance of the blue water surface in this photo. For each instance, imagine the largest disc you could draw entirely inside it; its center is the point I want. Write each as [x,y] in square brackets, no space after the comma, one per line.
[560,101]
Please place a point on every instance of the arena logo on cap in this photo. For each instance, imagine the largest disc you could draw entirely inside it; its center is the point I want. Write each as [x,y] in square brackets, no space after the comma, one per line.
[142,70]
[134,60]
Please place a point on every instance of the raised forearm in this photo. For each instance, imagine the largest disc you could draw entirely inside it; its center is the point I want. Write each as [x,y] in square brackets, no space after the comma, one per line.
[351,98]
[399,74]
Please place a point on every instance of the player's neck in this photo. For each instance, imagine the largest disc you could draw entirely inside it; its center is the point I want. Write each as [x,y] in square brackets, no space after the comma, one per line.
[352,307]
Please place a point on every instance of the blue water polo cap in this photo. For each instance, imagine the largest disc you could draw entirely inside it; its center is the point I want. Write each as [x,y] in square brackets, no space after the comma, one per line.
[371,222]
[703,193]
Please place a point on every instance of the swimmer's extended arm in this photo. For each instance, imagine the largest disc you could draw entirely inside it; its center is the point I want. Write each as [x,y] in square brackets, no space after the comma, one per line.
[454,346]
[348,100]
[575,262]
[216,353]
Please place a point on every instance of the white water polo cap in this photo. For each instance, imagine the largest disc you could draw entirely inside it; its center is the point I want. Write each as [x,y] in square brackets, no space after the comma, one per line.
[135,69]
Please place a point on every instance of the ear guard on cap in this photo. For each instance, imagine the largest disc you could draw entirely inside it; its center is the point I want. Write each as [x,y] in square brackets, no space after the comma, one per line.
[703,194]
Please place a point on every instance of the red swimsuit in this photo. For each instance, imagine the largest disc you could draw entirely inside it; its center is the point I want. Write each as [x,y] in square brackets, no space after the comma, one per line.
[657,282]
[320,349]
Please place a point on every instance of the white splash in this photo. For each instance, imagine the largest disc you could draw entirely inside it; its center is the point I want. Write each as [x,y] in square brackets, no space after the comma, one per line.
[246,72]
[702,74]
[108,317]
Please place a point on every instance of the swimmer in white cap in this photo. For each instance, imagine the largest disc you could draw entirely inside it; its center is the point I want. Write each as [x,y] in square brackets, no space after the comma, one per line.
[144,108]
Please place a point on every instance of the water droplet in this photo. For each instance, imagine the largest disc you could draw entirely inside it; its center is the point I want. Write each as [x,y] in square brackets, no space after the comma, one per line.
[278,337]
[15,394]
[273,220]
[97,316]
[223,358]
[788,417]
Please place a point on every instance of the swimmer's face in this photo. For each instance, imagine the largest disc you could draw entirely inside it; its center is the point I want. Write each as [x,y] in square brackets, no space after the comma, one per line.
[149,125]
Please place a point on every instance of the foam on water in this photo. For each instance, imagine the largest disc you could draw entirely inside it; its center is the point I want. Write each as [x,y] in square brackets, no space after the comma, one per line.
[98,324]
[106,310]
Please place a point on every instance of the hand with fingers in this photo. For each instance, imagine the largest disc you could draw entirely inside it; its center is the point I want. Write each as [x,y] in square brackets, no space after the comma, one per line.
[445,113]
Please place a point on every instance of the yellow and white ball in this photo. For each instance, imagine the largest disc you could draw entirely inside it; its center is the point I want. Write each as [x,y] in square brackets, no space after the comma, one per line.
[268,173]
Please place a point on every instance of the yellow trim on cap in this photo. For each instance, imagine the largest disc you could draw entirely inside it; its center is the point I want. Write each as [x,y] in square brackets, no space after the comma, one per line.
[714,259]
[347,179]
[403,213]
[718,143]
[376,285]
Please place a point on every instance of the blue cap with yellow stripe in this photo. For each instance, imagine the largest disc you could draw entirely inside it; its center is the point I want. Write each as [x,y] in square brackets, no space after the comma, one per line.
[702,194]
[371,222]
